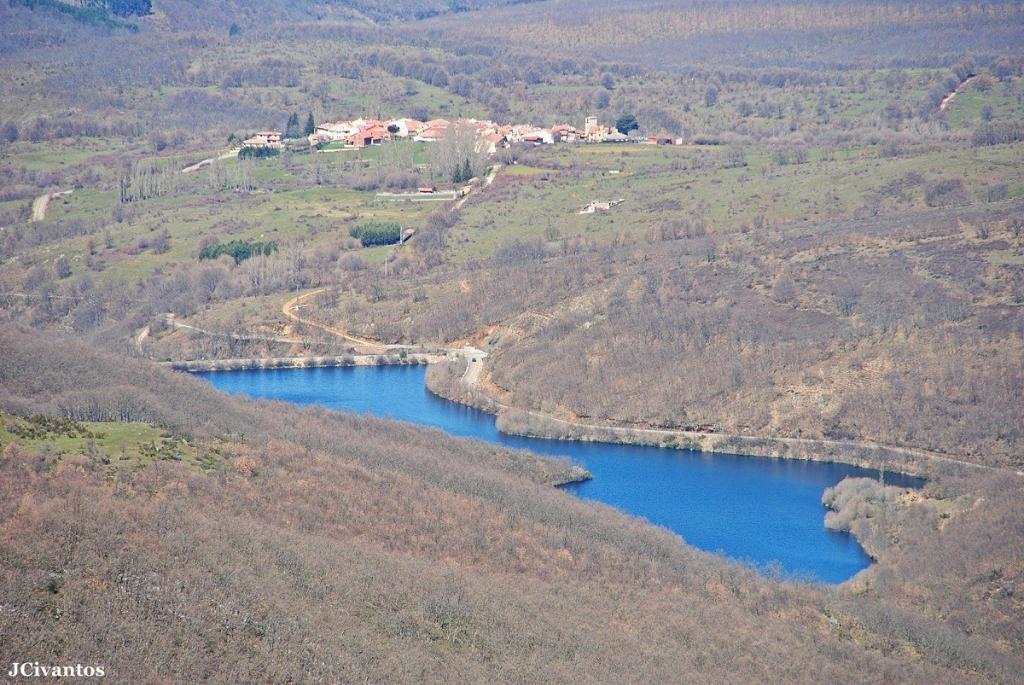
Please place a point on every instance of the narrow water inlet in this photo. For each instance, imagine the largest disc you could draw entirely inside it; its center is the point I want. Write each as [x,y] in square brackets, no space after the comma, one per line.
[752,509]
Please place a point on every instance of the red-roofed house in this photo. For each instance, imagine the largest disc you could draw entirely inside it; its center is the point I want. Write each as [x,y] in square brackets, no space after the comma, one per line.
[370,135]
[564,133]
[367,123]
[493,141]
[431,134]
[406,127]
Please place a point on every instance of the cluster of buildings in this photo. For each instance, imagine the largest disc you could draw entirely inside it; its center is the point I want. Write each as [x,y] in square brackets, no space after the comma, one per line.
[359,133]
[364,132]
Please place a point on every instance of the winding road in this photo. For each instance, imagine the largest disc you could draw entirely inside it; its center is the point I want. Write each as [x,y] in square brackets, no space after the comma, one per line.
[473,355]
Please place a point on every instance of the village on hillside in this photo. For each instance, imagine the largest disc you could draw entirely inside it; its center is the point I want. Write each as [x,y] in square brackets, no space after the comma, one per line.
[363,132]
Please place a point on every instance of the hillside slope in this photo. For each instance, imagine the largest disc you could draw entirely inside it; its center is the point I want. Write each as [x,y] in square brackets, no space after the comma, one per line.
[335,548]
[185,15]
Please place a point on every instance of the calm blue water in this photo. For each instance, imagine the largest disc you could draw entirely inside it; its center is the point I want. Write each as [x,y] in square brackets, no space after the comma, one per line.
[750,509]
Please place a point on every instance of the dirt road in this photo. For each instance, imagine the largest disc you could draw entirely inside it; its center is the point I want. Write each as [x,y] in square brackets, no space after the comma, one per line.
[174,323]
[952,94]
[206,162]
[289,307]
[488,180]
[473,356]
[41,203]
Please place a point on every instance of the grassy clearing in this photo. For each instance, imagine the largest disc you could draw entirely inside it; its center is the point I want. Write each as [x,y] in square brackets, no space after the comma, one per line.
[50,156]
[522,170]
[286,205]
[663,184]
[965,110]
[111,445]
[538,199]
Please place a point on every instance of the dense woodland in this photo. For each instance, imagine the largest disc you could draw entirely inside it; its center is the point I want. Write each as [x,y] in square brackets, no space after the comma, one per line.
[798,330]
[836,252]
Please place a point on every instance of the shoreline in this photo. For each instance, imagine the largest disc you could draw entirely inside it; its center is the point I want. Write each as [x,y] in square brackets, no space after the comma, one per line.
[577,474]
[324,361]
[904,461]
[711,443]
[505,418]
[526,423]
[574,472]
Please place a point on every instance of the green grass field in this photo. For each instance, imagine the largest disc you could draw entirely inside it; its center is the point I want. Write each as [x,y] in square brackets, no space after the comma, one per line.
[284,205]
[309,199]
[662,184]
[113,446]
[965,110]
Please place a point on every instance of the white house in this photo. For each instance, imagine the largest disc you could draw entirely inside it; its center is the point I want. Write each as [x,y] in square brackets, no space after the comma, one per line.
[338,130]
[406,127]
[531,134]
[264,139]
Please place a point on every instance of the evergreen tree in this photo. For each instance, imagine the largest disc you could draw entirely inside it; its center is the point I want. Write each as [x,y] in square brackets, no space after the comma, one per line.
[292,130]
[310,125]
[711,97]
[462,172]
[128,8]
[626,123]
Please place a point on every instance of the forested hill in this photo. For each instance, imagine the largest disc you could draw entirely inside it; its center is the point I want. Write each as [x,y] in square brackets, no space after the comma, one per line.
[804,33]
[384,10]
[121,8]
[110,13]
[184,14]
[661,34]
